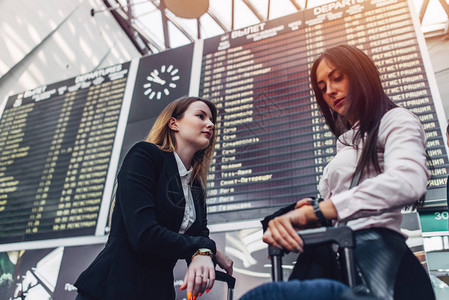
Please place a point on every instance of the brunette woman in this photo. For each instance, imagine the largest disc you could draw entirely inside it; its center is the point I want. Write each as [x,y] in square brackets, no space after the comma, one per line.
[383,143]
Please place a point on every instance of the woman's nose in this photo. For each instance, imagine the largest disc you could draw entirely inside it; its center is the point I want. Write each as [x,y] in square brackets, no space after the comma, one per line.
[210,125]
[331,90]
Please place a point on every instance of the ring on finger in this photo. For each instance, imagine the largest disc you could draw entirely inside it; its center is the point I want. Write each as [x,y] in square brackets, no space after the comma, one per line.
[201,275]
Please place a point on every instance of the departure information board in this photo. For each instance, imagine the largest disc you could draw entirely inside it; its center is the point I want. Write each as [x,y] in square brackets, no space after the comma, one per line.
[273,142]
[55,147]
[60,144]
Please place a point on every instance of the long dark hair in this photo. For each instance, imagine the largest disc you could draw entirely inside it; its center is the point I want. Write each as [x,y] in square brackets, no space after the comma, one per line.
[365,100]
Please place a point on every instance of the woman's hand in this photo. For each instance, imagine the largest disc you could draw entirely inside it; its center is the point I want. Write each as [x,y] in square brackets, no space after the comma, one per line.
[302,202]
[200,276]
[282,230]
[224,262]
[283,225]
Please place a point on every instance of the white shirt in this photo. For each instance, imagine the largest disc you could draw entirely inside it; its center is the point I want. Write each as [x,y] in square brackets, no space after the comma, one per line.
[189,212]
[378,199]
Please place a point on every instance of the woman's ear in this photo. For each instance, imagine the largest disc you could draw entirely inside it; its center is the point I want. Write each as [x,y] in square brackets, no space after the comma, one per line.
[172,124]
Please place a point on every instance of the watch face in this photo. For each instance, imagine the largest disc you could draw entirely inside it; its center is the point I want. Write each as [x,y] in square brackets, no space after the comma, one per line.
[161,81]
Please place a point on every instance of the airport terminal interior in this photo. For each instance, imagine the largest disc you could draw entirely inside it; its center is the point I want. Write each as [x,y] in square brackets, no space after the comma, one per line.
[82,81]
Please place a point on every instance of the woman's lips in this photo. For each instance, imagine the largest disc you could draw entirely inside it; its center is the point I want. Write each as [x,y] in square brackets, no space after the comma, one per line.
[339,102]
[207,134]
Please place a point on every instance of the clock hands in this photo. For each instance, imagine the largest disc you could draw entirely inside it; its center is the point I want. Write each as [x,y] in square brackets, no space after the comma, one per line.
[156,86]
[155,78]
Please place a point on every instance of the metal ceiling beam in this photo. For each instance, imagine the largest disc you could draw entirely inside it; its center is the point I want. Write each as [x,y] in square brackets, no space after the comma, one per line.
[268,10]
[150,40]
[140,44]
[232,17]
[296,5]
[142,38]
[164,24]
[180,28]
[198,28]
[254,10]
[129,11]
[445,7]
[172,20]
[423,10]
[217,20]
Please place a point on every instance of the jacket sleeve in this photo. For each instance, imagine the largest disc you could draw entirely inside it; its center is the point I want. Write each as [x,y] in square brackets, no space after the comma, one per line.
[137,186]
[404,178]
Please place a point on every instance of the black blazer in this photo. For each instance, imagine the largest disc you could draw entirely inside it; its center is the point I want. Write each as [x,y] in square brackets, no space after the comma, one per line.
[144,244]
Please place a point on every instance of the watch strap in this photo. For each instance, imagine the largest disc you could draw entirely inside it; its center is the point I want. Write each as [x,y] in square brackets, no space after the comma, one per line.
[203,251]
[319,214]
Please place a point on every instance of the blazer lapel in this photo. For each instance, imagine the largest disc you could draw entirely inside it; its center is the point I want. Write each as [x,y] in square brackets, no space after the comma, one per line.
[175,192]
[198,199]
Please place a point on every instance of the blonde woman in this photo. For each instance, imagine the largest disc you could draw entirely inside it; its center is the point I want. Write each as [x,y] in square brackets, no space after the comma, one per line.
[160,212]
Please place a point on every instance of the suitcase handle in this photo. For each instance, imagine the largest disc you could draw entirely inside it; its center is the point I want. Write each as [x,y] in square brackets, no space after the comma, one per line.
[343,236]
[222,276]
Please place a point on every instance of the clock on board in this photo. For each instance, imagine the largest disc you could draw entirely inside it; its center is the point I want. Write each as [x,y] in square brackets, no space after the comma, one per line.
[161,81]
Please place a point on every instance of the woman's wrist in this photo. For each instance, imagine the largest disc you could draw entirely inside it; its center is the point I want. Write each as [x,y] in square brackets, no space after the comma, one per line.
[321,219]
[328,209]
[203,252]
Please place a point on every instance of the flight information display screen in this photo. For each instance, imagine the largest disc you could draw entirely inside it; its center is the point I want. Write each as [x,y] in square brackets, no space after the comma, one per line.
[273,142]
[61,144]
[55,147]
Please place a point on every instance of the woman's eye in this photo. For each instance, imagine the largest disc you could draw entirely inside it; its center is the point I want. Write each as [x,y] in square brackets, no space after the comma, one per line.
[201,116]
[339,77]
[323,89]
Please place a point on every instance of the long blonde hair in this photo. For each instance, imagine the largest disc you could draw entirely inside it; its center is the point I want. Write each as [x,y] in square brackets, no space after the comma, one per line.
[162,136]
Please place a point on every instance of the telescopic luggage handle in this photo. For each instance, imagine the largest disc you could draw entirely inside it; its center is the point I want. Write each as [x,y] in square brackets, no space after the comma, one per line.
[343,236]
[222,276]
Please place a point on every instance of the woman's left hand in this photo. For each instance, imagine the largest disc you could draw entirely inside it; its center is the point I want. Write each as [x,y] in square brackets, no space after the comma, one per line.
[224,262]
[200,276]
[303,202]
[282,230]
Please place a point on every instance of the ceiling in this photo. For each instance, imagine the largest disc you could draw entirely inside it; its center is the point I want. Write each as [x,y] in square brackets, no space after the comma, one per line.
[154,28]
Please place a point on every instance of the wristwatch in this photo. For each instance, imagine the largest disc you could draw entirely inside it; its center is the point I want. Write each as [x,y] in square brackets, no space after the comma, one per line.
[202,251]
[319,214]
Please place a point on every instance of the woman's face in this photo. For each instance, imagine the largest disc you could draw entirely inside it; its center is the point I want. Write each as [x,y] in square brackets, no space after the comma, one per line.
[334,85]
[195,128]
